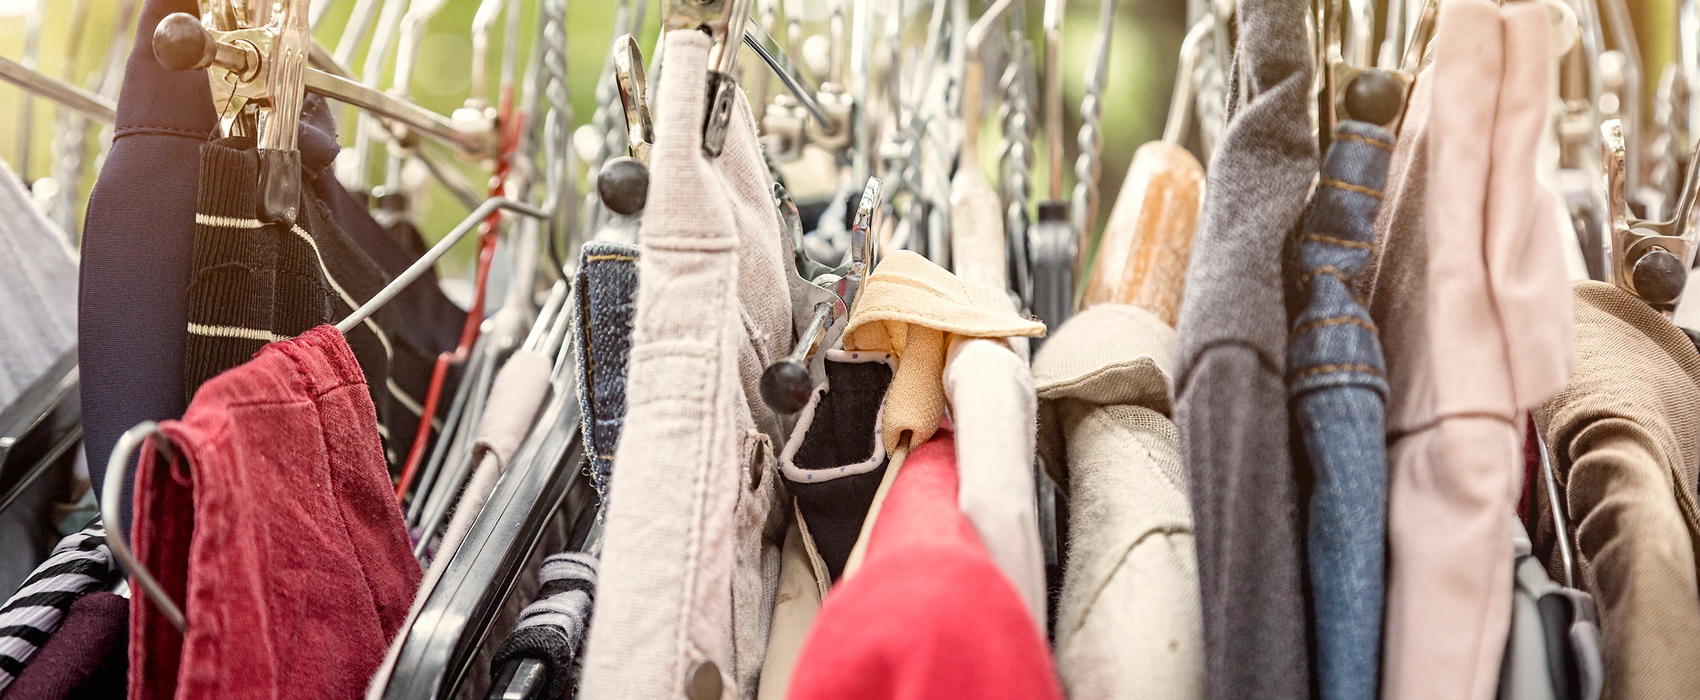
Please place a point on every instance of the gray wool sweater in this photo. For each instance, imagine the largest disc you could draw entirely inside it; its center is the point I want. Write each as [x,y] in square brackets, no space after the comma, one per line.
[1230,396]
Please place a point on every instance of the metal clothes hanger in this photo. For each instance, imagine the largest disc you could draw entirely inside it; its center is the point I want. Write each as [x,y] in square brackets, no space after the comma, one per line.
[1145,247]
[1649,259]
[1053,243]
[787,383]
[977,246]
[1088,167]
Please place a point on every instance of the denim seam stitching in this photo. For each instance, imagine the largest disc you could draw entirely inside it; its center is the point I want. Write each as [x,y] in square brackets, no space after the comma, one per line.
[1333,321]
[1349,187]
[1330,240]
[1324,369]
[1378,143]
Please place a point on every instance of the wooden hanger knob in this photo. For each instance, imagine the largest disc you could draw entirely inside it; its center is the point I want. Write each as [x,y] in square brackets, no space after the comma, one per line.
[623,184]
[1374,96]
[1658,277]
[181,43]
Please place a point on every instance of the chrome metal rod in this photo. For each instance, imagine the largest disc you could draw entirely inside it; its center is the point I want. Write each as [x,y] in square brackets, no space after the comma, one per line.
[111,496]
[36,83]
[768,49]
[407,113]
[418,268]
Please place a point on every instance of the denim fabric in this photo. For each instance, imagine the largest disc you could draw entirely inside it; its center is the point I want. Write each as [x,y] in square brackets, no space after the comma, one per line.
[607,297]
[1336,380]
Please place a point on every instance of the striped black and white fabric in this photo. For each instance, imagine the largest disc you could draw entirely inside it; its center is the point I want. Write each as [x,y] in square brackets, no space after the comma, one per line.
[78,564]
[253,283]
[553,628]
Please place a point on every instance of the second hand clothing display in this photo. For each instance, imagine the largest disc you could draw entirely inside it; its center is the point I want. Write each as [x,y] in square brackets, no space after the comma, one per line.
[742,398]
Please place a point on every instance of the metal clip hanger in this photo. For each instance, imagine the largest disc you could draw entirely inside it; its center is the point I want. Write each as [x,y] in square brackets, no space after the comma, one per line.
[786,384]
[1353,88]
[1650,259]
[725,21]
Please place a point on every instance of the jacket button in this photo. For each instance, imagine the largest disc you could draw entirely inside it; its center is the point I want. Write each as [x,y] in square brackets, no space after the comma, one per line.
[704,682]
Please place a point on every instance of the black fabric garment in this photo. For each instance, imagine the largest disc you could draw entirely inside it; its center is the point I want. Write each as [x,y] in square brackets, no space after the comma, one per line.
[86,660]
[131,308]
[254,282]
[434,322]
[840,433]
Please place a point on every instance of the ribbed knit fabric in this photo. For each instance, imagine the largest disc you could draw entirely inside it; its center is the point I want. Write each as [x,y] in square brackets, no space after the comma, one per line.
[79,564]
[253,283]
[552,629]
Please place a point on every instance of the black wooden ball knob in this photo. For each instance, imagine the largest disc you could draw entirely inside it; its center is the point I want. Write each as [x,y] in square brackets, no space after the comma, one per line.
[623,184]
[785,386]
[181,43]
[1658,277]
[1374,96]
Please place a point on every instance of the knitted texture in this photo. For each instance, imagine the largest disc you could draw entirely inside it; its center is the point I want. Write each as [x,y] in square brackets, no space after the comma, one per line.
[553,628]
[254,282]
[85,660]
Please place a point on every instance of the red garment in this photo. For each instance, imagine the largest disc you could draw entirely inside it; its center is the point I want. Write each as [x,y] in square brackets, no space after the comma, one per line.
[928,616]
[283,529]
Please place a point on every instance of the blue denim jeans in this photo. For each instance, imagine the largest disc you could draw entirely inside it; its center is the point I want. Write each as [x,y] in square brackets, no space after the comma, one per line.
[607,299]
[1336,382]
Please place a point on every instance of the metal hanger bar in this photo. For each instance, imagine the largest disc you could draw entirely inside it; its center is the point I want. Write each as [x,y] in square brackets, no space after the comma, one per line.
[413,116]
[418,268]
[36,83]
[768,49]
[112,494]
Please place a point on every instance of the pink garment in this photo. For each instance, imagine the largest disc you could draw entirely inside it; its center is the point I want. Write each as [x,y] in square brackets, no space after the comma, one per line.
[928,616]
[1499,342]
[279,532]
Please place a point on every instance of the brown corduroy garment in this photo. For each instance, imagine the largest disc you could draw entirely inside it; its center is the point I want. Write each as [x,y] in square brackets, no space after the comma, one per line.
[1625,437]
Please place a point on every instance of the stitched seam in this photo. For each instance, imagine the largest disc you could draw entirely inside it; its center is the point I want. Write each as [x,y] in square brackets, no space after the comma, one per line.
[1324,369]
[1329,270]
[159,131]
[1378,143]
[1330,240]
[620,258]
[1335,321]
[1349,187]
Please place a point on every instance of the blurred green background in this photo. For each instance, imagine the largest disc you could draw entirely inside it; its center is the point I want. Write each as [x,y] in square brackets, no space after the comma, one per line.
[1143,56]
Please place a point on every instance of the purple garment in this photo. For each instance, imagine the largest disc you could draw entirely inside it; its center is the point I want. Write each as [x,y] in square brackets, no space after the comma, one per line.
[86,659]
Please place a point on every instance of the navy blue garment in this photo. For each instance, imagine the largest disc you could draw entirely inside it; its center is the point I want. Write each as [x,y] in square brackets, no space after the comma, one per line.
[133,302]
[1336,381]
[607,302]
[433,322]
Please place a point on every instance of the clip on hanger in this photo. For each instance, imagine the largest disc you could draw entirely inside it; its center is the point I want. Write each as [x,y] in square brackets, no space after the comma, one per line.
[266,64]
[786,384]
[1650,259]
[1354,89]
[725,21]
[623,182]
